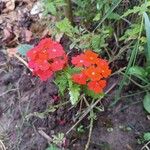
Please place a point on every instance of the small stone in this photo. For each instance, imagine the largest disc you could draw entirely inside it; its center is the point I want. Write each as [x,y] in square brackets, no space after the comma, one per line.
[37,8]
[110,129]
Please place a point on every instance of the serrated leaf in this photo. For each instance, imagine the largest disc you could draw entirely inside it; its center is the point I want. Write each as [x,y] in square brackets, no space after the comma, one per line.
[52,147]
[24,48]
[137,9]
[92,94]
[131,33]
[137,71]
[72,70]
[146,102]
[62,83]
[51,8]
[147,136]
[74,92]
[65,26]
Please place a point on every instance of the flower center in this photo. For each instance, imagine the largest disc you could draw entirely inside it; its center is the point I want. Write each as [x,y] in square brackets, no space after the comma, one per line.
[93,73]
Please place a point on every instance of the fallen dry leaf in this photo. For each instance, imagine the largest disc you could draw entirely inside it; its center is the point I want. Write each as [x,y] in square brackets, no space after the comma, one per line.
[11,51]
[59,36]
[7,33]
[10,5]
[28,35]
[46,32]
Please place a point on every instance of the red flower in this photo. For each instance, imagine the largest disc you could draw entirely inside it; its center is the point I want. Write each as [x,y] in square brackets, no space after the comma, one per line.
[32,54]
[44,75]
[55,50]
[97,86]
[95,69]
[57,65]
[80,61]
[46,58]
[39,64]
[93,73]
[91,57]
[46,43]
[103,67]
[80,78]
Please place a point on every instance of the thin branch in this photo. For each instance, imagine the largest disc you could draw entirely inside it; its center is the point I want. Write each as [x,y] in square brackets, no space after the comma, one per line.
[89,109]
[23,61]
[90,131]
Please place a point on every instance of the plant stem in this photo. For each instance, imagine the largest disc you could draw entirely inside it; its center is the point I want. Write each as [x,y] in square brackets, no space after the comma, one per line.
[89,109]
[90,131]
[68,10]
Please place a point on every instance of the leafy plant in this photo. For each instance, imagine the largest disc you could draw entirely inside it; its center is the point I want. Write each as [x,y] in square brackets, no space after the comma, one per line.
[53,6]
[58,139]
[81,129]
[146,102]
[146,136]
[143,73]
[52,147]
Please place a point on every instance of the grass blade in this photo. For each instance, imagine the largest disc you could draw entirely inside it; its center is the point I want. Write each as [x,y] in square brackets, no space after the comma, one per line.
[107,14]
[131,63]
[147,28]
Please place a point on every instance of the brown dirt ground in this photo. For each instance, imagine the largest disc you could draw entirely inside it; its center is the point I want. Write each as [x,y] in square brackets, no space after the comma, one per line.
[21,94]
[117,128]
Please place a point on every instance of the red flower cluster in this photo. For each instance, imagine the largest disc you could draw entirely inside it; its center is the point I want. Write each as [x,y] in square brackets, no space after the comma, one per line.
[46,58]
[94,71]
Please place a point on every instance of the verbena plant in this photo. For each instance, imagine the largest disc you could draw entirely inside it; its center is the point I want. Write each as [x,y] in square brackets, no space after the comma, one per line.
[86,75]
[103,31]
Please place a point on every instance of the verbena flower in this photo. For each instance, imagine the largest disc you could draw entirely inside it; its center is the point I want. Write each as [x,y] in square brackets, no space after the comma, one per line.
[80,78]
[97,86]
[80,61]
[91,57]
[46,58]
[94,71]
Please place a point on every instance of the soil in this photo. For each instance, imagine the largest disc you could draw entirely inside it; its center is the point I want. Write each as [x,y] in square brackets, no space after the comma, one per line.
[21,95]
[24,98]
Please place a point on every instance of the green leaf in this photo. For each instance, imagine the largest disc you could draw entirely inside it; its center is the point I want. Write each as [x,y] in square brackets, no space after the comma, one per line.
[52,147]
[97,17]
[137,71]
[51,8]
[146,102]
[131,33]
[93,95]
[74,92]
[72,70]
[148,70]
[147,27]
[61,82]
[24,48]
[65,26]
[114,16]
[137,9]
[147,136]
